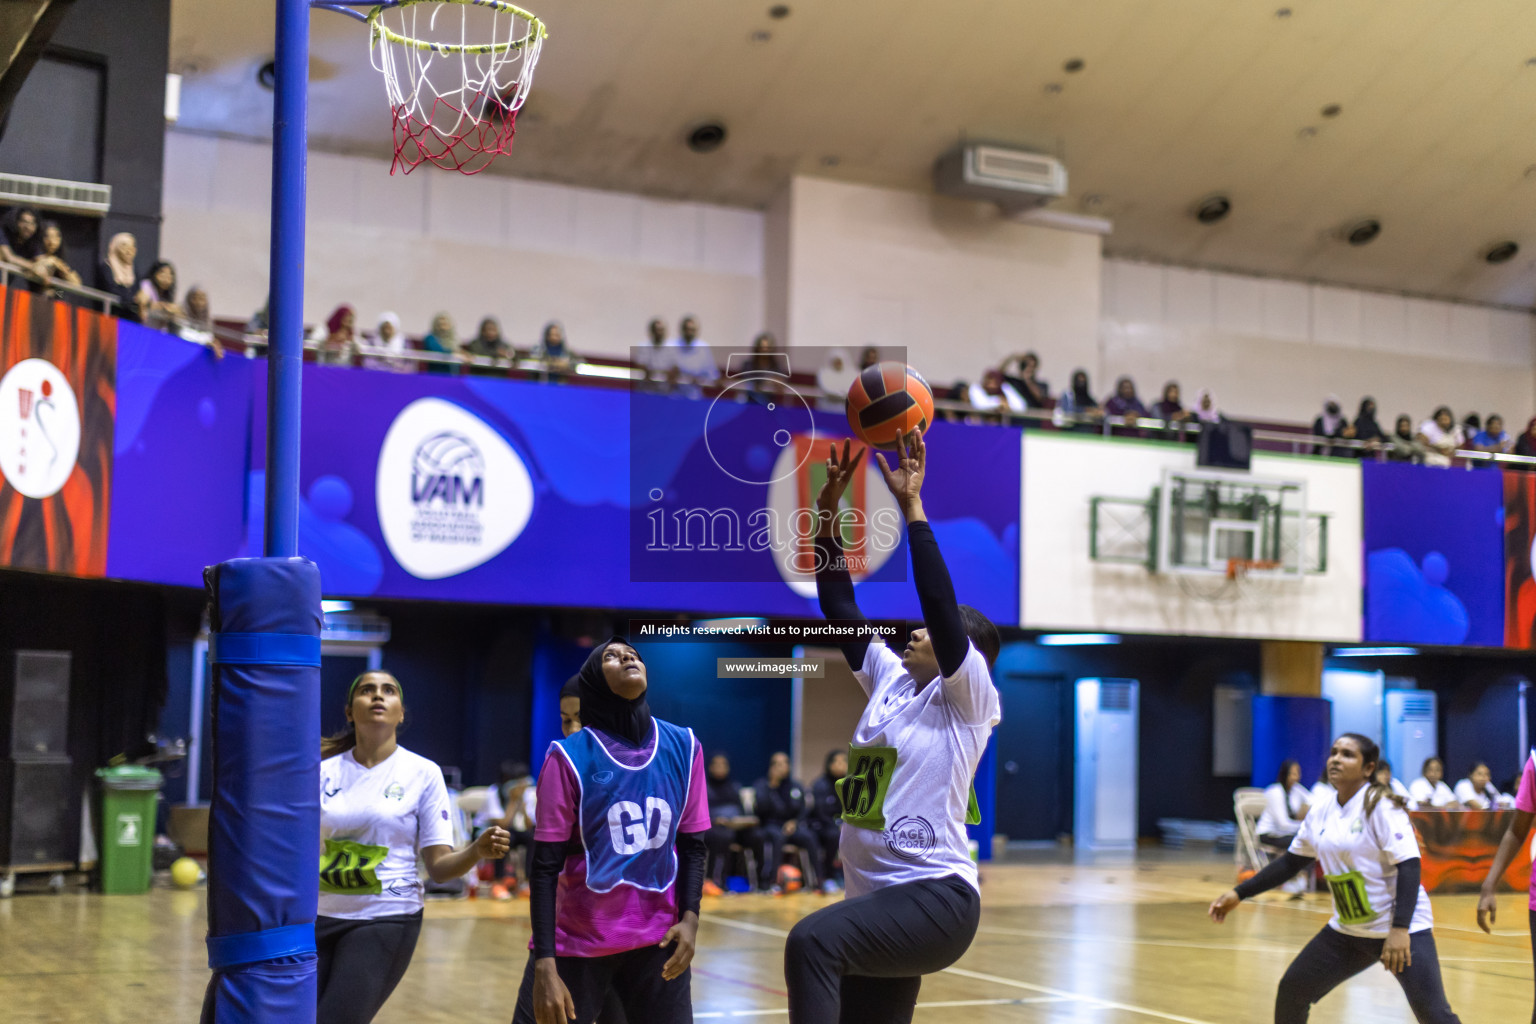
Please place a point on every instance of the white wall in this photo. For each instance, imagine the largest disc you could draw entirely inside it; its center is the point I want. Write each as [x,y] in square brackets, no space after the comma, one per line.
[1061,587]
[957,285]
[1273,349]
[526,252]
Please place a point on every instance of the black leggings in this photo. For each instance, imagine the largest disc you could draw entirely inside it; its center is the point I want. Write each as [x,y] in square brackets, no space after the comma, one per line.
[361,962]
[1333,957]
[861,961]
[634,976]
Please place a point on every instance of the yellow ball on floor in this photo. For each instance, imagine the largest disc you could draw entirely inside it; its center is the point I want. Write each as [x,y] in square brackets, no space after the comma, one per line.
[186,873]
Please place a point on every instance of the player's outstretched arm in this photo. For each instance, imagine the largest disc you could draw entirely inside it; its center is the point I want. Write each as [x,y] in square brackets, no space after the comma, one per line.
[834,587]
[1276,872]
[552,1002]
[935,590]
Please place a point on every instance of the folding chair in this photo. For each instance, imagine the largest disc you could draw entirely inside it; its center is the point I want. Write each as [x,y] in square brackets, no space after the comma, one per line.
[1248,806]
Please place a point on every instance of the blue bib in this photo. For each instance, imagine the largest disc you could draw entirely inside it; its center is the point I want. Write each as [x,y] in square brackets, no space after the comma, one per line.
[629,816]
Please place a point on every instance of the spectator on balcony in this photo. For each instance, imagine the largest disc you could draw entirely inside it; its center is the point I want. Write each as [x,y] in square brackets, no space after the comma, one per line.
[1525,444]
[442,340]
[869,357]
[1035,392]
[1124,403]
[1206,410]
[653,357]
[690,361]
[23,241]
[488,344]
[994,394]
[1333,425]
[1078,400]
[389,337]
[157,296]
[835,378]
[1367,430]
[1170,409]
[1471,427]
[1405,445]
[115,275]
[196,323]
[1493,439]
[339,346]
[767,368]
[1440,437]
[553,353]
[50,264]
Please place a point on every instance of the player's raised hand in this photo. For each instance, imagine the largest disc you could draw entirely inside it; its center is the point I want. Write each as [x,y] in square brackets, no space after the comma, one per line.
[840,470]
[906,478]
[493,843]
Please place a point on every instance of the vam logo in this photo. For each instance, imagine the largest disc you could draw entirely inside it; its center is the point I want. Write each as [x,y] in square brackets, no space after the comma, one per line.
[450,493]
[39,428]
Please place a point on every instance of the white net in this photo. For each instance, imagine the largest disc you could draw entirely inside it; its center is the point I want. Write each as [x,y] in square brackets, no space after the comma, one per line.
[457,72]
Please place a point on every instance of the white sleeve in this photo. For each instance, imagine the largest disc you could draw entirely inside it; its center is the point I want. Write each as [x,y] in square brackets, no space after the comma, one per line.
[971,693]
[1422,792]
[1276,807]
[1443,795]
[1304,845]
[881,667]
[434,811]
[1465,791]
[1394,832]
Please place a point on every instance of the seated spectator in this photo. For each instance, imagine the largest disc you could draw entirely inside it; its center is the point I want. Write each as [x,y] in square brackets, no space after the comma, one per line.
[1440,437]
[1169,409]
[50,264]
[1405,443]
[1035,392]
[1206,410]
[1078,400]
[781,809]
[261,319]
[510,804]
[1384,777]
[1470,428]
[196,323]
[729,823]
[653,357]
[1477,792]
[392,339]
[1286,802]
[869,357]
[157,296]
[1332,425]
[442,340]
[1367,430]
[339,346]
[115,275]
[826,817]
[489,345]
[552,351]
[1492,439]
[1429,791]
[1525,444]
[767,367]
[994,393]
[22,241]
[1124,403]
[835,378]
[691,363]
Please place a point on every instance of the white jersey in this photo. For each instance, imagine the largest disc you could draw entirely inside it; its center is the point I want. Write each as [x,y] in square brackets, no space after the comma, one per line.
[1281,806]
[373,823]
[913,757]
[1427,795]
[1481,799]
[1359,859]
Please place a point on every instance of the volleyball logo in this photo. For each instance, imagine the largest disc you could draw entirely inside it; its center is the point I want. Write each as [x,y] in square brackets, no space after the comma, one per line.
[39,428]
[451,494]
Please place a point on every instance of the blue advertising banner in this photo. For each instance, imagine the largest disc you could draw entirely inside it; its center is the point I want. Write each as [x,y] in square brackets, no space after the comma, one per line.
[1434,555]
[509,492]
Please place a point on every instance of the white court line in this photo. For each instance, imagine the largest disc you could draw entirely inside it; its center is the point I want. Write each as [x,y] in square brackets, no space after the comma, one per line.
[1440,925]
[1172,943]
[950,1004]
[1093,1001]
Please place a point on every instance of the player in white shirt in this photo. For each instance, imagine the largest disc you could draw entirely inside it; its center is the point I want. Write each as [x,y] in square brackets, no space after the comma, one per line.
[1429,791]
[1286,802]
[1477,792]
[381,807]
[1365,844]
[913,901]
[1384,777]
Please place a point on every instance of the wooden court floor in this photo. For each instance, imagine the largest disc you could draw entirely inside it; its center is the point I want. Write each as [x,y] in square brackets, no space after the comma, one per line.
[1058,943]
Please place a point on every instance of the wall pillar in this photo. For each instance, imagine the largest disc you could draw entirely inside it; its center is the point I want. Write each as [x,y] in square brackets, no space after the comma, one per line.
[1291,668]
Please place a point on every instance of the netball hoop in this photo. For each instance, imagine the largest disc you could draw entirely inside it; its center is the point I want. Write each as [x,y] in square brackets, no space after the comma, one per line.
[456,73]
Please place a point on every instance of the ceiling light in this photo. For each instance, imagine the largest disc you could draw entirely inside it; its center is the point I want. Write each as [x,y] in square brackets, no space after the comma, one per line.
[1073,66]
[1307,133]
[1501,252]
[1362,232]
[762,35]
[1052,88]
[778,11]
[707,137]
[1332,110]
[335,606]
[1076,639]
[831,160]
[1212,209]
[1284,12]
[1373,652]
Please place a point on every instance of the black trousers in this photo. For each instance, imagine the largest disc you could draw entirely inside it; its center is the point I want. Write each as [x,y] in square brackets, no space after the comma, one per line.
[634,976]
[774,841]
[861,961]
[718,841]
[1332,958]
[361,962]
[830,833]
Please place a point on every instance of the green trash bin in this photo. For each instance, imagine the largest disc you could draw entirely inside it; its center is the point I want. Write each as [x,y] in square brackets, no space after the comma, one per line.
[128,827]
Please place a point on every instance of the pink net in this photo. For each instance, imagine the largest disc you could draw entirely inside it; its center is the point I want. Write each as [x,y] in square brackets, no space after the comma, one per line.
[468,150]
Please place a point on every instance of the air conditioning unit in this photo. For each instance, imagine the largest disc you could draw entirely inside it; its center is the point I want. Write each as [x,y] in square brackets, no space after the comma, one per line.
[1105,806]
[1012,178]
[1412,721]
[53,194]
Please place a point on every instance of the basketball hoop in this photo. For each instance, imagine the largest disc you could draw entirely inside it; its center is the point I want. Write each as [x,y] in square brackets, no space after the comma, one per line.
[1239,568]
[455,85]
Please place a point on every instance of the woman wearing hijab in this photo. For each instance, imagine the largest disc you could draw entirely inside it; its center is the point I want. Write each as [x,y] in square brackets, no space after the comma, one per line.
[115,275]
[1406,446]
[1332,424]
[442,340]
[1206,409]
[197,321]
[1367,430]
[489,345]
[1078,399]
[552,351]
[339,346]
[618,856]
[1525,444]
[389,337]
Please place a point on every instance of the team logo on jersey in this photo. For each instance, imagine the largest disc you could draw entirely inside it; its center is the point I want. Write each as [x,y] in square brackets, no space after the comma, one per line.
[602,778]
[40,424]
[1357,826]
[911,838]
[395,791]
[330,789]
[451,493]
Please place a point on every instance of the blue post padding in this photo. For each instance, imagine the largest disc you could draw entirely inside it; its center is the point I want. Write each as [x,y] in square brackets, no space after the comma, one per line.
[253,947]
[1290,727]
[263,649]
[264,821]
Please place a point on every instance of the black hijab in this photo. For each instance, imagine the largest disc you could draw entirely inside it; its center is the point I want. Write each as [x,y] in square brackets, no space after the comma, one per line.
[1080,395]
[601,708]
